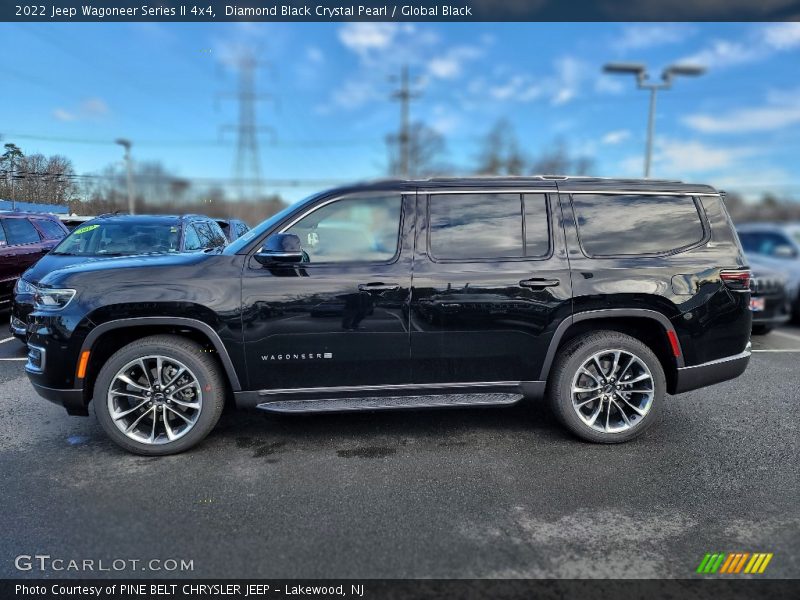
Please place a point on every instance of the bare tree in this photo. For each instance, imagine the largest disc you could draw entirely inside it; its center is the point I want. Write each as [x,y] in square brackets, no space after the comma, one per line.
[500,151]
[557,160]
[426,151]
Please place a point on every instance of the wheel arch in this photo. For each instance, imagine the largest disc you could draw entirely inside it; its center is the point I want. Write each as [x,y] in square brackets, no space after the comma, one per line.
[649,326]
[108,337]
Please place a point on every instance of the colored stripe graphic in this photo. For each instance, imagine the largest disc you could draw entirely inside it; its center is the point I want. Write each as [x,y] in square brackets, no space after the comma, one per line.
[733,562]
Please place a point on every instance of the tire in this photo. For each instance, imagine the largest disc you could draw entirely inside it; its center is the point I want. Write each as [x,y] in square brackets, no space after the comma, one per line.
[647,372]
[762,329]
[198,396]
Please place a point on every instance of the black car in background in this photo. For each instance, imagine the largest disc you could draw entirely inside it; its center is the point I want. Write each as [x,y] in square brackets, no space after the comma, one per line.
[110,236]
[601,295]
[770,299]
[233,228]
[24,239]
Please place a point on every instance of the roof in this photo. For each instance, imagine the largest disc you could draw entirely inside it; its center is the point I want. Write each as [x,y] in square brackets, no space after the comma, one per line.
[35,215]
[544,182]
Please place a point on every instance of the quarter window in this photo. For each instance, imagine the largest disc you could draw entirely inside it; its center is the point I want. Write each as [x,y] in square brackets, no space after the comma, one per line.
[358,229]
[475,226]
[20,231]
[629,224]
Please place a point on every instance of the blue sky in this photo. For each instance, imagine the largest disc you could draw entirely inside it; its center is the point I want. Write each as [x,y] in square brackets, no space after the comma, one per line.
[164,85]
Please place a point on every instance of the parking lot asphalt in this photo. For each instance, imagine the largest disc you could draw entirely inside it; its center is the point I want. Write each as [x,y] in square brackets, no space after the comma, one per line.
[484,493]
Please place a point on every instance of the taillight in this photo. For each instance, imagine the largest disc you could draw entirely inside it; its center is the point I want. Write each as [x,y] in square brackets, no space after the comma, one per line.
[738,281]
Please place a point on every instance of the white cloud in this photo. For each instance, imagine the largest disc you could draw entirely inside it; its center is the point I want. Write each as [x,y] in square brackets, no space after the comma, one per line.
[782,36]
[90,108]
[679,158]
[616,137]
[353,94]
[314,55]
[723,53]
[781,110]
[640,36]
[760,43]
[451,64]
[365,37]
[560,87]
[64,115]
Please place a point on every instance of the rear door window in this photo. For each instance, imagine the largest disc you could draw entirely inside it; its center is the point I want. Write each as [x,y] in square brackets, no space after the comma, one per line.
[488,226]
[636,225]
[51,229]
[20,231]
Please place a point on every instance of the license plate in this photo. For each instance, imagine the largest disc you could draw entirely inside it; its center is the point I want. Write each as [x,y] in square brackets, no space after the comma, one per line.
[757,304]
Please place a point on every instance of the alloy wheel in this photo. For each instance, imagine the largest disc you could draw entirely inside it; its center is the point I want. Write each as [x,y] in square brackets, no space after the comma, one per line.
[155,399]
[612,391]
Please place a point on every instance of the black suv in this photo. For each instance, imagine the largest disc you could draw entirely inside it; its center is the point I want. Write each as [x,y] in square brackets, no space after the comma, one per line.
[113,235]
[602,295]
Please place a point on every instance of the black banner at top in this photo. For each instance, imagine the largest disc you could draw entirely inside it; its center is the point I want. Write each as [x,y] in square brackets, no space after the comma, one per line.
[408,10]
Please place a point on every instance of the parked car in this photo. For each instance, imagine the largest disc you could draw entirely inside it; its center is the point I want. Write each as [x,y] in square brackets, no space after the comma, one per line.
[632,290]
[233,228]
[24,238]
[769,297]
[109,236]
[776,246]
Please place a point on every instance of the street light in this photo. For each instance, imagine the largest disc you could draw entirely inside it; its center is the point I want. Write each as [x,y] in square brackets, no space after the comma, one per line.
[127,145]
[642,79]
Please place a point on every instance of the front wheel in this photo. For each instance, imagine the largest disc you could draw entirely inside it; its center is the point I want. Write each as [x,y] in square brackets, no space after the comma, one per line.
[159,395]
[607,387]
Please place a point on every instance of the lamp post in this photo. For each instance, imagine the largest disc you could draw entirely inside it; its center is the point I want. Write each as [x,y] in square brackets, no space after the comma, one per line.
[129,175]
[643,83]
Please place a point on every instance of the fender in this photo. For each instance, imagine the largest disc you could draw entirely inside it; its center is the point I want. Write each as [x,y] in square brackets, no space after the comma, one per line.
[205,328]
[601,314]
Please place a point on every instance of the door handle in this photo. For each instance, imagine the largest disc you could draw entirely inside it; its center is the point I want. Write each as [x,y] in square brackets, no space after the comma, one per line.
[537,283]
[378,287]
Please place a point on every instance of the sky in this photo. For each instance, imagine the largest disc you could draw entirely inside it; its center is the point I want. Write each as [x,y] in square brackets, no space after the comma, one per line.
[73,89]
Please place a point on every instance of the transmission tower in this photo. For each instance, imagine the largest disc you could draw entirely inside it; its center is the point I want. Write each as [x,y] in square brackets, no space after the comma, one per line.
[404,95]
[247,163]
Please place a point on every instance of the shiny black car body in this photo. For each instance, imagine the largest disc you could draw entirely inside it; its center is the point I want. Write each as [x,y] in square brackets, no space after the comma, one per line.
[487,288]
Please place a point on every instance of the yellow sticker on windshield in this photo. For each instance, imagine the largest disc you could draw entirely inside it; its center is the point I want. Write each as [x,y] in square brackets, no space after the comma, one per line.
[85,229]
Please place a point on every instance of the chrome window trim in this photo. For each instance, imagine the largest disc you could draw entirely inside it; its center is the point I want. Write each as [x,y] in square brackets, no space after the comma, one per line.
[550,190]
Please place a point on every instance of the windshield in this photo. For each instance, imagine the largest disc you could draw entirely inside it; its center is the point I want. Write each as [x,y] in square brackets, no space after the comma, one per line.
[121,238]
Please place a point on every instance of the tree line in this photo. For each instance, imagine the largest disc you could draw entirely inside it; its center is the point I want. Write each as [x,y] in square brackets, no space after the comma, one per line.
[53,180]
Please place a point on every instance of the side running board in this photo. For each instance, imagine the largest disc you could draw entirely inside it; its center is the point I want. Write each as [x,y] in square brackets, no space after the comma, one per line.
[389,403]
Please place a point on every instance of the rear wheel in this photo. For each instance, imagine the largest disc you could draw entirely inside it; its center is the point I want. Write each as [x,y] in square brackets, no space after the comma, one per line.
[159,395]
[607,387]
[762,329]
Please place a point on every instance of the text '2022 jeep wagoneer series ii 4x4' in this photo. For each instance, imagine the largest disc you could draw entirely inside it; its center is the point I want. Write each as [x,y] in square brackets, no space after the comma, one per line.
[602,296]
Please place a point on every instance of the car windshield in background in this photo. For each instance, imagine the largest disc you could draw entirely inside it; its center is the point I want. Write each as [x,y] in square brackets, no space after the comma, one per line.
[122,238]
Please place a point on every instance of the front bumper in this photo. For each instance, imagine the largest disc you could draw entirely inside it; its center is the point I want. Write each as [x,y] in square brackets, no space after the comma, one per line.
[715,371]
[72,400]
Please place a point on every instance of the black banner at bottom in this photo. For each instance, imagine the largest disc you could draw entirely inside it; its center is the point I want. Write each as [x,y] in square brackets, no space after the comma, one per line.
[107,589]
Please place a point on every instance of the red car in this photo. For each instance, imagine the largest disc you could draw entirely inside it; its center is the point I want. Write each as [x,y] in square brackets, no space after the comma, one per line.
[24,239]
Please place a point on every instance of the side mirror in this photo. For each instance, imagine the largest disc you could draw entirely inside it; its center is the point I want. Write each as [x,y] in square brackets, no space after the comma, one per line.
[280,248]
[784,251]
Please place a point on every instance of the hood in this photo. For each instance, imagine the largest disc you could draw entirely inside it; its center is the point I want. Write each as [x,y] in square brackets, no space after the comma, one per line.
[82,268]
[53,262]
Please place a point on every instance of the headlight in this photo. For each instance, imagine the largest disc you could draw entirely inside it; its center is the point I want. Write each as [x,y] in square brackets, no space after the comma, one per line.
[24,287]
[52,298]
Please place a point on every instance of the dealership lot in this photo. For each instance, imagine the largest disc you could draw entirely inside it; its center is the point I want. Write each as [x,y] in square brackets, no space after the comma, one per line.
[472,493]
